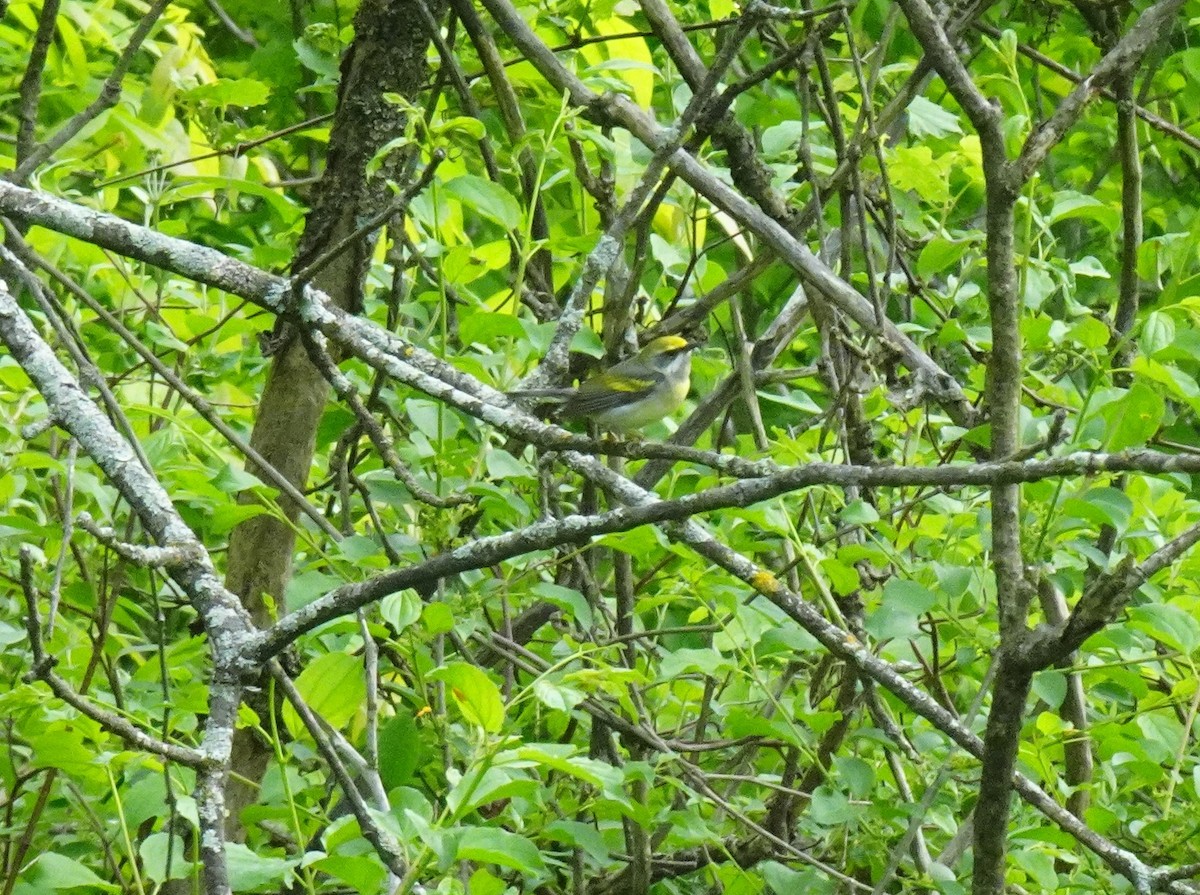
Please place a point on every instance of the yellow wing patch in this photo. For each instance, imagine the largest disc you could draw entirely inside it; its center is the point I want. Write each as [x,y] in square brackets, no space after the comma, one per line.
[626,384]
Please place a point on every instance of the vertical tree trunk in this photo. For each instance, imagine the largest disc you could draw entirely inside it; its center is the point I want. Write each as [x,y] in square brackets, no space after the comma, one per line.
[388,55]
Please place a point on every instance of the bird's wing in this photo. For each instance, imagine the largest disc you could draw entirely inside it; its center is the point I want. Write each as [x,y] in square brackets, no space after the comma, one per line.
[604,392]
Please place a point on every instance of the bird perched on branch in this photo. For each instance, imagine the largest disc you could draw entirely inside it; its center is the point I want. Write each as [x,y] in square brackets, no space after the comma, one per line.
[630,394]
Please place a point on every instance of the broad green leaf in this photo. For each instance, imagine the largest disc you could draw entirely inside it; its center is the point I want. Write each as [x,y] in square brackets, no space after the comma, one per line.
[587,837]
[249,870]
[437,618]
[569,600]
[494,846]
[1132,420]
[57,871]
[401,609]
[363,873]
[830,807]
[474,693]
[333,687]
[482,882]
[308,586]
[484,197]
[925,119]
[242,92]
[1039,866]
[1158,332]
[556,695]
[909,596]
[155,850]
[914,168]
[399,750]
[1069,205]
[474,789]
[565,759]
[1173,626]
[940,255]
[489,327]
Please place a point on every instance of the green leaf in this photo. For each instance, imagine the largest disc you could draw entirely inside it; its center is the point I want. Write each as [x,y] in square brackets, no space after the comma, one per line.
[904,602]
[940,255]
[62,746]
[1173,626]
[909,596]
[432,419]
[1158,332]
[333,687]
[780,140]
[154,851]
[401,609]
[502,465]
[487,328]
[568,599]
[487,198]
[308,586]
[399,750]
[566,759]
[494,784]
[1089,332]
[241,92]
[694,661]
[482,882]
[1051,687]
[1089,266]
[1114,505]
[1179,384]
[493,846]
[363,873]
[1132,420]
[474,693]
[859,513]
[1070,205]
[859,776]
[830,807]
[461,124]
[249,870]
[794,400]
[437,618]
[56,871]
[926,119]
[782,880]
[556,695]
[585,341]
[585,836]
[1039,866]
[914,168]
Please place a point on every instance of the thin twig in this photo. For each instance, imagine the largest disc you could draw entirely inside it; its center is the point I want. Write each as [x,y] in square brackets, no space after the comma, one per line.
[110,92]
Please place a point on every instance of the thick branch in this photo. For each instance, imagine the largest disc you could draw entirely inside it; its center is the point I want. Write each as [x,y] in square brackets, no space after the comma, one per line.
[71,409]
[928,30]
[1121,59]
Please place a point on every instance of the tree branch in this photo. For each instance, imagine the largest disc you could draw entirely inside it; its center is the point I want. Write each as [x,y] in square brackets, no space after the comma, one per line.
[42,670]
[1121,59]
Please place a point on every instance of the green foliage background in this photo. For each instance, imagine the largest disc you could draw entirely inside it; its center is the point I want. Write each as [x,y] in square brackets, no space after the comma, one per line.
[500,779]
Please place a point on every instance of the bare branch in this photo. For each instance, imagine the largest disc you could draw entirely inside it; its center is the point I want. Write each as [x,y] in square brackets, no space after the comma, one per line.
[110,92]
[42,670]
[385,845]
[1121,59]
[618,109]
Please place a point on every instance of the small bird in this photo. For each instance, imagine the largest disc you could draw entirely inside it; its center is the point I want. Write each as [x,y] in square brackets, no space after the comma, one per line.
[630,394]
